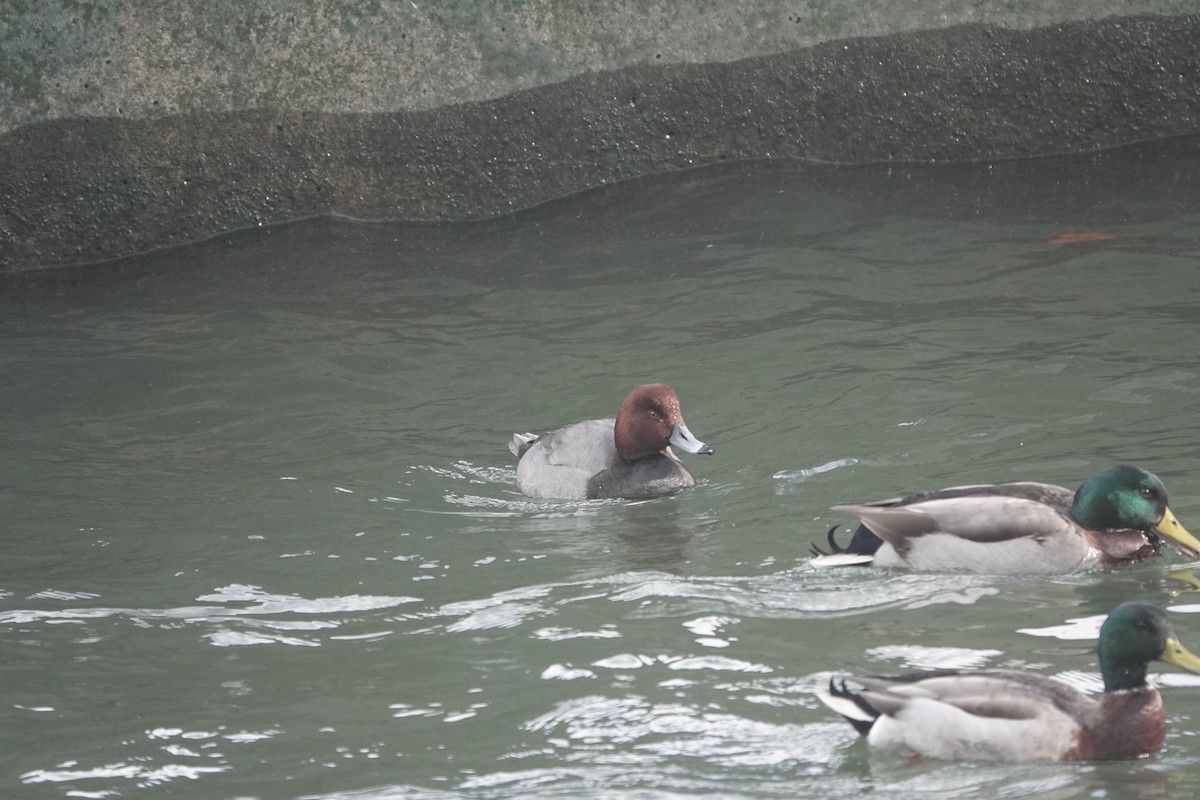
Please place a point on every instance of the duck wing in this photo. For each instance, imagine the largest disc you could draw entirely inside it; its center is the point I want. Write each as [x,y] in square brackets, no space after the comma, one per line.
[998,692]
[984,513]
[586,445]
[560,463]
[991,715]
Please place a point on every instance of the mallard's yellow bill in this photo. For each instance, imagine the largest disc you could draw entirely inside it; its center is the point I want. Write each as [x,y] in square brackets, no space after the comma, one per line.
[1169,528]
[1177,655]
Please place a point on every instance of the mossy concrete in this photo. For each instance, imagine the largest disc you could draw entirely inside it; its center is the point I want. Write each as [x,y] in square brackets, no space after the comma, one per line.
[381,112]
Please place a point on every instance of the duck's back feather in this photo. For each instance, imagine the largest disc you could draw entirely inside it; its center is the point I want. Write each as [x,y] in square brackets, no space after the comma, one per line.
[560,463]
[990,715]
[1047,493]
[1008,526]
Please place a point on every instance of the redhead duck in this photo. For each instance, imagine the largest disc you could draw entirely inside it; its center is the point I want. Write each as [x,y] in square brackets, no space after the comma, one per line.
[629,456]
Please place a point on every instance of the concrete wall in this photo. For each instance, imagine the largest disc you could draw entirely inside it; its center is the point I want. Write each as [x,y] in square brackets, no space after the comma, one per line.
[131,125]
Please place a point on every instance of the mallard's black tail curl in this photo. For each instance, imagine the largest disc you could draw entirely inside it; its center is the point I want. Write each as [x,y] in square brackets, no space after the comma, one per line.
[862,543]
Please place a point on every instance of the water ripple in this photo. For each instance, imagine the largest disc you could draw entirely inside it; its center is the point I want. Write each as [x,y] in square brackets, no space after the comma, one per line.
[586,726]
[921,658]
[260,612]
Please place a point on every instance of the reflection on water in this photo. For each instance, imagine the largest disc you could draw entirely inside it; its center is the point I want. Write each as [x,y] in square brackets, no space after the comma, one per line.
[263,537]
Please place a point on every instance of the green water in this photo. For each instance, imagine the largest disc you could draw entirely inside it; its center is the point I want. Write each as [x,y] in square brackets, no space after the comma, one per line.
[262,537]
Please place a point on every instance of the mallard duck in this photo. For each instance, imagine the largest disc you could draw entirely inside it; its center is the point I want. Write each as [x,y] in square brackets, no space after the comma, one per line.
[626,456]
[1115,517]
[1009,715]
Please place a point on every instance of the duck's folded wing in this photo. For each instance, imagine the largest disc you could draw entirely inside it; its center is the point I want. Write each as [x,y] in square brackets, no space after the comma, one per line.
[1047,493]
[988,706]
[977,518]
[560,463]
[979,716]
[587,446]
[975,687]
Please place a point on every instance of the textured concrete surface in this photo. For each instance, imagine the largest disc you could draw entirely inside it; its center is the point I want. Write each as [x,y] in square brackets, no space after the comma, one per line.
[154,58]
[276,135]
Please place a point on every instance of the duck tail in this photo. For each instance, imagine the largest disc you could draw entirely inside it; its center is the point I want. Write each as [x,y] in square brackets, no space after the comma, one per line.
[854,709]
[860,551]
[522,442]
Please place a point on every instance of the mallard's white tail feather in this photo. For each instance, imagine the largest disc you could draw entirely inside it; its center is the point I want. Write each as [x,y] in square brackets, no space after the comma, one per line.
[846,707]
[520,441]
[842,560]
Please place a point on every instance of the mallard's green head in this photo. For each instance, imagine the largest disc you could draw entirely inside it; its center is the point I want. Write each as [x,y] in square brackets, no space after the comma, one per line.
[1126,497]
[1134,635]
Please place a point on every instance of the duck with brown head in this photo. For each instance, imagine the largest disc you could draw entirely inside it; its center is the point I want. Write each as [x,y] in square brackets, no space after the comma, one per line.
[629,456]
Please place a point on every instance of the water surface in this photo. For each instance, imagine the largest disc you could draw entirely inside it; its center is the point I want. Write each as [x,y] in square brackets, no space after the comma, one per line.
[264,541]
